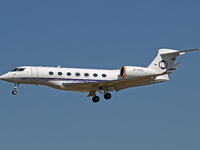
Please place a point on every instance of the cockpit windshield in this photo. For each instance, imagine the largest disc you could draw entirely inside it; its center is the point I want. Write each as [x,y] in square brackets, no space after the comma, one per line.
[15,69]
[18,69]
[21,69]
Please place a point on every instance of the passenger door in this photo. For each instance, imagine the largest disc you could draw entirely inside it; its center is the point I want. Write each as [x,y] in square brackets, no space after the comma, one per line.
[34,74]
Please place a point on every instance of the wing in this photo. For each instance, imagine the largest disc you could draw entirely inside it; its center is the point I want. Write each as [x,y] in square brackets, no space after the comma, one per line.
[110,84]
[119,84]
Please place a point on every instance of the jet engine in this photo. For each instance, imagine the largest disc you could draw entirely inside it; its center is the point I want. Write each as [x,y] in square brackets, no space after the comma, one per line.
[132,71]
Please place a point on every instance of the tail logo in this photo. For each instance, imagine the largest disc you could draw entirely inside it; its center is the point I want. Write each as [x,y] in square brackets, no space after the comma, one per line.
[163,64]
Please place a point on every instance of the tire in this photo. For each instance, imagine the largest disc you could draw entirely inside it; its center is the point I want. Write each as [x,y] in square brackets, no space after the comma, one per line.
[95,99]
[107,96]
[14,92]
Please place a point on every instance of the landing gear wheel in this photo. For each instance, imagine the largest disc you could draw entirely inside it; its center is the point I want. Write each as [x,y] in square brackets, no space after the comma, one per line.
[14,92]
[15,88]
[107,96]
[95,99]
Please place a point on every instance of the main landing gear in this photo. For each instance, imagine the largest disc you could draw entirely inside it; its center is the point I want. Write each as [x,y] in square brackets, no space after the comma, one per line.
[96,99]
[14,92]
[107,96]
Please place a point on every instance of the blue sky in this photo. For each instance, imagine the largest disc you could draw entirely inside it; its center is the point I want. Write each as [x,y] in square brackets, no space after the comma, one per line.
[100,34]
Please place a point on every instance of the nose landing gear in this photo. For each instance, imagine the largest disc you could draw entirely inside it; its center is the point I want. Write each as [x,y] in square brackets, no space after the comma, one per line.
[14,92]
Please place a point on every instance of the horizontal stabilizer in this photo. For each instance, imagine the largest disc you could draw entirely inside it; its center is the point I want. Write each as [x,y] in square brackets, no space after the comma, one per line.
[176,52]
[191,50]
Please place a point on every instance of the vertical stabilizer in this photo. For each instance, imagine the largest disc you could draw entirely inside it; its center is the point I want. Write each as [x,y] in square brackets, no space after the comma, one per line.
[164,60]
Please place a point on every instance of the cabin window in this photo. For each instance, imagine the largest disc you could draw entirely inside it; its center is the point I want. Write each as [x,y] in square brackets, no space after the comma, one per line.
[77,74]
[59,73]
[86,74]
[50,73]
[69,73]
[104,75]
[95,75]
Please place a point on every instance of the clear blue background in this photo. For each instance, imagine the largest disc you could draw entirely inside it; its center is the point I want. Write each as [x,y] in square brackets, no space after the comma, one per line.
[104,34]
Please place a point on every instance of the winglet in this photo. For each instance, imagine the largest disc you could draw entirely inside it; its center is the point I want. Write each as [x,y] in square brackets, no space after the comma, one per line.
[170,70]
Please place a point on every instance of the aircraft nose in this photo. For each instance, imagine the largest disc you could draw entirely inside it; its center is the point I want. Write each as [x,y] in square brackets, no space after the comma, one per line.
[4,77]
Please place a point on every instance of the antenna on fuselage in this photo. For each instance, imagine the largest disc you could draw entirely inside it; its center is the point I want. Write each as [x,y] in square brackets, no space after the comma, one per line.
[59,66]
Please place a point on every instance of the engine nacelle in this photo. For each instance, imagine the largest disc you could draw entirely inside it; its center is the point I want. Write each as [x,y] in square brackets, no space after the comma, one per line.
[132,71]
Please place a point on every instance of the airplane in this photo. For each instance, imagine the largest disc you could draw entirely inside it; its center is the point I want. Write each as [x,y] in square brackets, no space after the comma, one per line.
[92,81]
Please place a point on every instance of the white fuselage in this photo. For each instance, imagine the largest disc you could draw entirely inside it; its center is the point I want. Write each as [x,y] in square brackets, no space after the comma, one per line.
[55,76]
